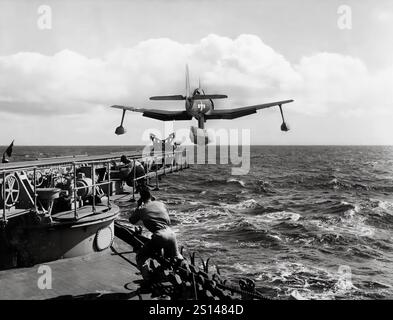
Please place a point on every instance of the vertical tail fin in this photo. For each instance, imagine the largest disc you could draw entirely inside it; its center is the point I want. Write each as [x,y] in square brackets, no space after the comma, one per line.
[188,93]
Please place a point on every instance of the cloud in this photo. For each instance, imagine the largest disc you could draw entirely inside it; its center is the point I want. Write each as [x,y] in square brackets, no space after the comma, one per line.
[245,68]
[383,16]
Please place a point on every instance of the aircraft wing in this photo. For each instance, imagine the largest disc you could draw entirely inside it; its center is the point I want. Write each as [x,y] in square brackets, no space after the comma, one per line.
[241,112]
[163,115]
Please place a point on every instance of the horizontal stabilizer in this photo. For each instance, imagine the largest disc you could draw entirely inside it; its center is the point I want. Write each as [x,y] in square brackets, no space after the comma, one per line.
[209,96]
[173,97]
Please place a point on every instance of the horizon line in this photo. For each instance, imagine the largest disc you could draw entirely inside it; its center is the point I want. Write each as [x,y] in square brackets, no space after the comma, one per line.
[251,145]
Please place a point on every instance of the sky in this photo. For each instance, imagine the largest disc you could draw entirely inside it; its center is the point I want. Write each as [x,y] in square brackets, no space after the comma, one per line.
[57,82]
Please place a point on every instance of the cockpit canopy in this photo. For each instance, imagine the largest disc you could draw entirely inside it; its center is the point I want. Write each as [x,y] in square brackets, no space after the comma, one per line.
[198,91]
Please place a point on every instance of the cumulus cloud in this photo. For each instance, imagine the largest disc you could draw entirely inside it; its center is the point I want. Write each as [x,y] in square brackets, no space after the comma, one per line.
[245,68]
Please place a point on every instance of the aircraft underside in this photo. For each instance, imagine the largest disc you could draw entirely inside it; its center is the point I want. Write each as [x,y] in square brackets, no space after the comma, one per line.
[200,106]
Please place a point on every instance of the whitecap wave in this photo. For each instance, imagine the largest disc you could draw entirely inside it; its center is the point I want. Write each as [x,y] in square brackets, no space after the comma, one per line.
[246,204]
[240,182]
[292,276]
[351,222]
[280,216]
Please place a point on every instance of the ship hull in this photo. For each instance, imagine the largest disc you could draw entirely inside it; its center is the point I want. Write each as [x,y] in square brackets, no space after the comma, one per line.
[25,245]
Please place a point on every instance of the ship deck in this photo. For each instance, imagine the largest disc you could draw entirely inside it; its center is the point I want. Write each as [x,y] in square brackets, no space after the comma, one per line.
[111,274]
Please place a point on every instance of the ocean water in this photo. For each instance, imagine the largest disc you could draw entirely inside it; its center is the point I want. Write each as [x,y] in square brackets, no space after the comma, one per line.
[313,219]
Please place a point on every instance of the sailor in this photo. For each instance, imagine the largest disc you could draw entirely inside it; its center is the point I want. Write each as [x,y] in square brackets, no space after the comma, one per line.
[139,172]
[155,218]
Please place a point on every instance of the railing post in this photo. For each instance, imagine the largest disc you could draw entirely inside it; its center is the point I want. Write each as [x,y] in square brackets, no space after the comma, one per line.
[35,188]
[186,157]
[109,185]
[133,182]
[173,158]
[164,163]
[4,199]
[180,160]
[147,172]
[75,193]
[93,178]
[157,186]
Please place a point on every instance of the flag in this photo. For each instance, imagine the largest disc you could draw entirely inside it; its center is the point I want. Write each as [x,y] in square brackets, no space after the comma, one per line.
[8,152]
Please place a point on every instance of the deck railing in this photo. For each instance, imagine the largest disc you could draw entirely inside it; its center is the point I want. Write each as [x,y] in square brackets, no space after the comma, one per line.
[175,157]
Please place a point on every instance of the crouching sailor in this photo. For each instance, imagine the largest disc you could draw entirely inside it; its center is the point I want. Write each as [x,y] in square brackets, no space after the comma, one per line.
[155,218]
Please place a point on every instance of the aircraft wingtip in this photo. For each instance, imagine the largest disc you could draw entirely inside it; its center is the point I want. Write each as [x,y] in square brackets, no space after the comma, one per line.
[117,106]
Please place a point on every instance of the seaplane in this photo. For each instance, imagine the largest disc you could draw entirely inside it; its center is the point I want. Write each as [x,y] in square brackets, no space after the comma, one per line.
[200,106]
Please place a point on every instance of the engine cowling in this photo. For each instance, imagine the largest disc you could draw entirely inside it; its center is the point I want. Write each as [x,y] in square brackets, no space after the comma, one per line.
[199,136]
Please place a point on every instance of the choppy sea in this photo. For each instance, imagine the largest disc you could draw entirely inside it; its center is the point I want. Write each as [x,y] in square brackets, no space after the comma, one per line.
[315,219]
